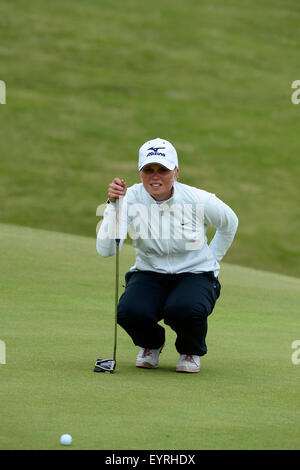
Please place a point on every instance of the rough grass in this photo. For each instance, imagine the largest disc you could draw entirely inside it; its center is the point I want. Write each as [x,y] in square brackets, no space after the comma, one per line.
[88,82]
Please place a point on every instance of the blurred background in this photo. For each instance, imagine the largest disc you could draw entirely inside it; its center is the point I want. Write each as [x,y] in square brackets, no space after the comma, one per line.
[89,82]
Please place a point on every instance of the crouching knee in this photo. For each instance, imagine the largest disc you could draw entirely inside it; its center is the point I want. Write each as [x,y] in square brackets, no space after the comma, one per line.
[132,316]
[184,315]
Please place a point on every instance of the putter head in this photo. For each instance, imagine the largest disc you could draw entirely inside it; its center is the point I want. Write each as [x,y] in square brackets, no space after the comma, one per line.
[105,365]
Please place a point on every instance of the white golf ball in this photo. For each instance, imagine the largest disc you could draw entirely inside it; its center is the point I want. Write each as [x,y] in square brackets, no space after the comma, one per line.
[66,439]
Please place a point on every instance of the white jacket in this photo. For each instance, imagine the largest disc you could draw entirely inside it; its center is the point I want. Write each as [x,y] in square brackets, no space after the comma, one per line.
[170,237]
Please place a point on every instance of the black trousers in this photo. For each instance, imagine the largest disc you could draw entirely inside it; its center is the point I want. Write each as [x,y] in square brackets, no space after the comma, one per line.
[183,301]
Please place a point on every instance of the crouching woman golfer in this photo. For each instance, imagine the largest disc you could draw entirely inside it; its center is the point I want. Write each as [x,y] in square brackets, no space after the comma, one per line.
[174,277]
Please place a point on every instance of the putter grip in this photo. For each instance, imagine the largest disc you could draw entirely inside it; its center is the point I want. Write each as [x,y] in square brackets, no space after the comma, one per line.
[117,203]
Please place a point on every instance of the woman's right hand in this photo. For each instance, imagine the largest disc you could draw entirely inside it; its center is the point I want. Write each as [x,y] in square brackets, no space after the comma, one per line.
[116,189]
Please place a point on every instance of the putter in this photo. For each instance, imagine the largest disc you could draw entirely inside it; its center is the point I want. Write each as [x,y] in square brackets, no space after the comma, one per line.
[108,365]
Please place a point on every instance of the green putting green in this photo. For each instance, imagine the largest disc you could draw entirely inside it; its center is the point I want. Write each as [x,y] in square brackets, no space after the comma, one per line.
[57,309]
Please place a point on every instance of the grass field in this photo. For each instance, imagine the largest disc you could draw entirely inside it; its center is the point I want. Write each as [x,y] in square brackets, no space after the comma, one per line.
[89,82]
[57,302]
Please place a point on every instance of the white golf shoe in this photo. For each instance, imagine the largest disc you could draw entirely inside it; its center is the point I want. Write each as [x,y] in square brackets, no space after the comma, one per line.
[188,363]
[148,358]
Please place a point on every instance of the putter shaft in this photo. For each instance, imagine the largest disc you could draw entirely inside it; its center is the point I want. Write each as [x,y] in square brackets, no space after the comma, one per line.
[116,297]
[117,273]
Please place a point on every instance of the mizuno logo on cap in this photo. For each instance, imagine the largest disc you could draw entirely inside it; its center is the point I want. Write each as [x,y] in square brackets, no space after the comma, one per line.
[155,151]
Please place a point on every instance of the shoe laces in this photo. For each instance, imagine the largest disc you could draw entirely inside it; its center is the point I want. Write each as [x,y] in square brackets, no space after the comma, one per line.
[189,358]
[146,352]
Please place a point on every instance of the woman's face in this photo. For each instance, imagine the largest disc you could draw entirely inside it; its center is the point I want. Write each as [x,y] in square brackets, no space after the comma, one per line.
[158,180]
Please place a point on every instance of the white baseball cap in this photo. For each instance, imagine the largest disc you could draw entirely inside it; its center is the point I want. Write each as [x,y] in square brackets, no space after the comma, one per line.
[158,151]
